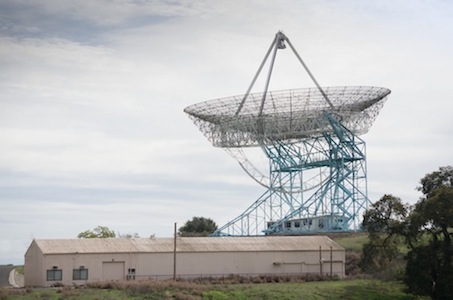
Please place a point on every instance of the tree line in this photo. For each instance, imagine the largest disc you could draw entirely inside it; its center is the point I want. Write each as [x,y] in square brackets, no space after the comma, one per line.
[426,229]
[197,226]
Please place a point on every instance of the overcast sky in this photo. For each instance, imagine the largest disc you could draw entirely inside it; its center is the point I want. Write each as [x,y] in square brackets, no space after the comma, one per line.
[92,93]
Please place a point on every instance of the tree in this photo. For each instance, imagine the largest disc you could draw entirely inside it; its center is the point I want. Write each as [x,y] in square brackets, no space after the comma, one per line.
[436,179]
[427,229]
[198,226]
[384,222]
[432,220]
[98,232]
[386,216]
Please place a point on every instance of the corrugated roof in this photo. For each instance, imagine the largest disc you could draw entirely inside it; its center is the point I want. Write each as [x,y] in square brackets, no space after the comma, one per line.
[186,244]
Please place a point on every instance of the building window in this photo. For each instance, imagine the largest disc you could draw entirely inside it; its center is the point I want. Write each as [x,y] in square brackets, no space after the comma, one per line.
[130,274]
[80,273]
[288,224]
[321,223]
[297,224]
[54,274]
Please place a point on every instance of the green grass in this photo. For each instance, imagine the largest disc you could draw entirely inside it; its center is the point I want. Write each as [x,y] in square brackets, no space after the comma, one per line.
[20,269]
[347,289]
[356,289]
[353,242]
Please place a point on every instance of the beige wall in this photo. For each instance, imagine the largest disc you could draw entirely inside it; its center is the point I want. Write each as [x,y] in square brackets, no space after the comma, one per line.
[93,262]
[190,264]
[257,263]
[33,266]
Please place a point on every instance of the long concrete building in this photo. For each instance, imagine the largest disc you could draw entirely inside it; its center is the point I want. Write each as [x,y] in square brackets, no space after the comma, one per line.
[79,261]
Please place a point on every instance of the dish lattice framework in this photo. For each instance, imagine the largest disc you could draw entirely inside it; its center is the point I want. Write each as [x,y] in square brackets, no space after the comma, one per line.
[286,115]
[317,178]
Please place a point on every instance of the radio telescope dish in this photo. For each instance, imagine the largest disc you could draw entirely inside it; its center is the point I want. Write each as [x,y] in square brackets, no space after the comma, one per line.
[287,115]
[317,163]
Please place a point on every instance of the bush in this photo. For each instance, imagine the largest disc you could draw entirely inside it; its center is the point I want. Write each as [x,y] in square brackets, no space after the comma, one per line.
[6,293]
[3,294]
[352,263]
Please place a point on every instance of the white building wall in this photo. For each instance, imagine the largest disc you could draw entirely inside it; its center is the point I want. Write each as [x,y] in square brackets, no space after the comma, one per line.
[92,262]
[106,266]
[154,265]
[189,265]
[33,266]
[226,263]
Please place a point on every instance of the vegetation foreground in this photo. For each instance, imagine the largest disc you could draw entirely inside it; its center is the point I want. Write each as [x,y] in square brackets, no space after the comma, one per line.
[341,289]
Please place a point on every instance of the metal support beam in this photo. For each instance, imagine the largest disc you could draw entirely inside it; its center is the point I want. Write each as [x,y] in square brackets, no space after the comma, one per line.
[337,202]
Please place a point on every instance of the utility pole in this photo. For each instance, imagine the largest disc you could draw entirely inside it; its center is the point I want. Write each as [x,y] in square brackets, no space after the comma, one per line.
[174,254]
[320,260]
[331,262]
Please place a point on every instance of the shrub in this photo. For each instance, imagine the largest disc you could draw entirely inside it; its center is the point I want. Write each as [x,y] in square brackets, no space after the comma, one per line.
[4,293]
[352,263]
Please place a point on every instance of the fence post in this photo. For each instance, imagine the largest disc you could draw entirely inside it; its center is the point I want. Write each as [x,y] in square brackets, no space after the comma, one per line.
[320,261]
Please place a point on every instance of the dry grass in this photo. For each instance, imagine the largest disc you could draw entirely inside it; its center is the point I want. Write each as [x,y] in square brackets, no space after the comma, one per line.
[196,288]
[228,288]
[155,287]
[6,293]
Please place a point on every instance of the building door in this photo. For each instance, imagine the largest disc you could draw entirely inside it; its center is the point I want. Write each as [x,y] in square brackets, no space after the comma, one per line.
[113,270]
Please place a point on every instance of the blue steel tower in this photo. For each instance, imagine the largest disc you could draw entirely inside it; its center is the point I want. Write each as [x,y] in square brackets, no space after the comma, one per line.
[316,179]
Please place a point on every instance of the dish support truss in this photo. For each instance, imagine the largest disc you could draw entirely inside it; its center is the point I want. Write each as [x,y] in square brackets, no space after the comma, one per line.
[317,163]
[335,203]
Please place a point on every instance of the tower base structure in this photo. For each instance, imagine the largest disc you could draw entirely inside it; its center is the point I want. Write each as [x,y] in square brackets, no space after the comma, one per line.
[316,185]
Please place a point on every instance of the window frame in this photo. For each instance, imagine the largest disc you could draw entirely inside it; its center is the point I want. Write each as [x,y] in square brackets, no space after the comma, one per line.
[54,274]
[80,274]
[131,274]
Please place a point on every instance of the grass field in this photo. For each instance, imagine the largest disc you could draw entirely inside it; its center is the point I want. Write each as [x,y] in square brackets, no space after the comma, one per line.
[353,242]
[347,289]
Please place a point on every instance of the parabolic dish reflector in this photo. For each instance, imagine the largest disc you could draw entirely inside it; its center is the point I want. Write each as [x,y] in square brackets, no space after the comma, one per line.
[286,115]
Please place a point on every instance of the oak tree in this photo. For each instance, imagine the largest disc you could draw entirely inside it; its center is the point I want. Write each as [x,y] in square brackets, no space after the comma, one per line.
[384,221]
[98,232]
[198,226]
[427,229]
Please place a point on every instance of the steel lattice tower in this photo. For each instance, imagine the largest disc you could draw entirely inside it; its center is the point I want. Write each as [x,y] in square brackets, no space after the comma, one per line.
[316,179]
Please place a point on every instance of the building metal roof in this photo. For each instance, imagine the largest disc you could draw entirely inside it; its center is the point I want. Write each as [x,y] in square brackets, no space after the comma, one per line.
[186,244]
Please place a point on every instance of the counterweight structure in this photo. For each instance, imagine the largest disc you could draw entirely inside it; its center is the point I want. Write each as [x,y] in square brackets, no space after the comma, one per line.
[316,179]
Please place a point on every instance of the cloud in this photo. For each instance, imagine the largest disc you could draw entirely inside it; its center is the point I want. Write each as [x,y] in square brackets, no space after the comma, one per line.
[91,114]
[84,21]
